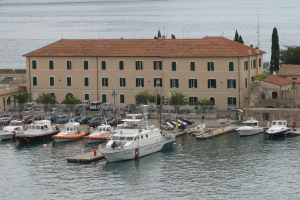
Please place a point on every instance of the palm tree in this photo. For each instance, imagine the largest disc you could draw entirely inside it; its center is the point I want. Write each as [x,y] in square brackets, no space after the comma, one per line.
[71,101]
[177,99]
[46,99]
[21,98]
[204,102]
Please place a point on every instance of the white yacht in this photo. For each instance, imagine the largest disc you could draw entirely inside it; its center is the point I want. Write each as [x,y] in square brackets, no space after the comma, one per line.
[9,132]
[249,127]
[102,133]
[200,127]
[278,127]
[69,133]
[134,139]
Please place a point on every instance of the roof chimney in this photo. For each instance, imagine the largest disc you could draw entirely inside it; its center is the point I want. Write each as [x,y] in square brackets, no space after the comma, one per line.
[257,49]
[249,52]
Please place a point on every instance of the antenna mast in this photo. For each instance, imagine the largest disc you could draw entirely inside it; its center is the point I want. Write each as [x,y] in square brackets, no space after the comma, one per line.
[258,31]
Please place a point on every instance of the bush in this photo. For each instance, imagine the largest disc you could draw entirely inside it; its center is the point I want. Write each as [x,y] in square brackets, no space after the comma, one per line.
[261,77]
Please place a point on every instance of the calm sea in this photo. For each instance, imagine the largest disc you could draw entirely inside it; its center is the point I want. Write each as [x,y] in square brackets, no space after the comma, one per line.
[26,25]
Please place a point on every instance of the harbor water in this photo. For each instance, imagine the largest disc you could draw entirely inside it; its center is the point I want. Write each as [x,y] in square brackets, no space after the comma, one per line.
[223,167]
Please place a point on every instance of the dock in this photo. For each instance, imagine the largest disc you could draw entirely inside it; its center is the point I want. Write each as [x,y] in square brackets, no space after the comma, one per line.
[217,132]
[181,133]
[86,158]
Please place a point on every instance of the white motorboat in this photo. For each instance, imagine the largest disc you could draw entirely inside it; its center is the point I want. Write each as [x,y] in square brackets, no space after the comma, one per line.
[134,139]
[200,127]
[69,133]
[249,127]
[102,133]
[38,131]
[278,127]
[12,130]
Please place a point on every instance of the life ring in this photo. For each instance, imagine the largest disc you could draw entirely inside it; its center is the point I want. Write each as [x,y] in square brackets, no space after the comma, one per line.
[140,130]
[18,128]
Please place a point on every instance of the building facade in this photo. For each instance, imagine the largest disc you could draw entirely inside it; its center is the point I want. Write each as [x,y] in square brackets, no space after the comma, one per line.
[215,68]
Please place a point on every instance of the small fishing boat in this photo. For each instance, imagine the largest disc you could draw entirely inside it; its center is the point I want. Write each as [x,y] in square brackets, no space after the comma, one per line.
[278,127]
[12,130]
[38,131]
[200,127]
[249,127]
[69,133]
[102,133]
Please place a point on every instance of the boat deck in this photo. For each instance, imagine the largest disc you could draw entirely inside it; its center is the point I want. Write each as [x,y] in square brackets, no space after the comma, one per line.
[216,132]
[86,158]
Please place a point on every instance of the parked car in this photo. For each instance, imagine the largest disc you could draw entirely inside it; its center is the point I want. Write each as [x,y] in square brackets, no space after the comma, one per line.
[26,118]
[235,110]
[27,110]
[189,122]
[35,118]
[16,109]
[173,122]
[1,116]
[38,110]
[62,119]
[17,116]
[96,122]
[167,126]
[85,120]
[54,110]
[63,110]
[114,121]
[77,118]
[53,118]
[5,120]
[28,105]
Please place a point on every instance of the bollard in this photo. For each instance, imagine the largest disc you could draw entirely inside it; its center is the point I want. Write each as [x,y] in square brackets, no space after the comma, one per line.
[82,151]
[95,152]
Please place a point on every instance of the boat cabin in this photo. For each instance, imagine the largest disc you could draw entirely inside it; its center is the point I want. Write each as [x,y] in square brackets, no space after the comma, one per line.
[279,123]
[71,126]
[43,125]
[104,128]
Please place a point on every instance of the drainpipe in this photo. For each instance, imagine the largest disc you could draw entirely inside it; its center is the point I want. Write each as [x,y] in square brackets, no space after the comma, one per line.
[29,79]
[239,82]
[97,79]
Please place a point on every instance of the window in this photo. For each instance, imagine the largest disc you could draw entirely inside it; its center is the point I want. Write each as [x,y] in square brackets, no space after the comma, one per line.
[50,64]
[246,65]
[274,95]
[68,81]
[157,65]
[231,83]
[251,64]
[86,96]
[34,80]
[210,66]
[192,64]
[69,64]
[86,65]
[294,79]
[254,63]
[192,100]
[51,81]
[122,82]
[33,64]
[192,83]
[231,68]
[246,82]
[121,65]
[259,62]
[174,83]
[139,82]
[103,98]
[252,78]
[231,101]
[173,66]
[104,82]
[103,65]
[263,96]
[160,82]
[122,98]
[86,81]
[138,65]
[8,101]
[212,83]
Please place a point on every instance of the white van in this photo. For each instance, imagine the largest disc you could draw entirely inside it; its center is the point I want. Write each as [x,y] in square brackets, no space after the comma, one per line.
[86,103]
[95,105]
[108,106]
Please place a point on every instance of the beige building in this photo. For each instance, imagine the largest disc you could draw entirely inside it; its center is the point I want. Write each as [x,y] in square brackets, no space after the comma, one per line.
[213,67]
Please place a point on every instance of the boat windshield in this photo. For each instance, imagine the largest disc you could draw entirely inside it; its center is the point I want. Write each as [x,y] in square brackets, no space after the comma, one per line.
[34,127]
[129,138]
[101,129]
[15,124]
[122,138]
[279,123]
[115,138]
[273,123]
[249,124]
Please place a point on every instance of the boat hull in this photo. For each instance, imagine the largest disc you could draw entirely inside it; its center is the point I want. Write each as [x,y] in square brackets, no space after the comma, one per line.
[68,140]
[7,136]
[249,132]
[26,139]
[278,133]
[95,139]
[137,152]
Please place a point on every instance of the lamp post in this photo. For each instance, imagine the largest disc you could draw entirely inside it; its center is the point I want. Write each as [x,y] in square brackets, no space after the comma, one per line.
[51,98]
[158,84]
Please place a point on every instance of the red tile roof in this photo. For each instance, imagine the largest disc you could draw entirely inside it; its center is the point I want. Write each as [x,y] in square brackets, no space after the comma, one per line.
[289,70]
[277,80]
[205,47]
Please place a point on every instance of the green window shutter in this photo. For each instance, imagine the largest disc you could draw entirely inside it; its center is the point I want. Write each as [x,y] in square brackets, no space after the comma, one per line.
[154,82]
[154,68]
[246,82]
[142,82]
[103,82]
[176,83]
[161,82]
[195,83]
[190,83]
[173,66]
[208,66]
[136,65]
[106,83]
[192,66]
[68,64]
[215,83]
[208,83]
[231,66]
[34,64]
[141,65]
[234,84]
[34,80]
[103,98]
[120,82]
[122,98]
[160,65]
[212,66]
[228,83]
[234,101]
[86,81]
[50,64]
[68,81]
[137,82]
[51,81]
[86,96]
[171,83]
[228,101]
[103,65]
[259,62]
[190,100]
[121,65]
[124,82]
[86,64]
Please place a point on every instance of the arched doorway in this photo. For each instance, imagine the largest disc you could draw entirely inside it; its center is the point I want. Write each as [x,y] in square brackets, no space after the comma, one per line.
[213,100]
[69,95]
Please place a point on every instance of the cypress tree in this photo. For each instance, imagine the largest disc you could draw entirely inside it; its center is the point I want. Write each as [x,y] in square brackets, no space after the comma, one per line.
[241,40]
[173,36]
[236,37]
[274,64]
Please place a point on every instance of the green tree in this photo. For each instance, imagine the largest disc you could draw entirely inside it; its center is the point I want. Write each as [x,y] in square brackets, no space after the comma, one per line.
[46,99]
[241,40]
[144,98]
[71,102]
[204,102]
[177,100]
[291,55]
[173,36]
[274,64]
[266,68]
[236,36]
[21,98]
[261,77]
[158,35]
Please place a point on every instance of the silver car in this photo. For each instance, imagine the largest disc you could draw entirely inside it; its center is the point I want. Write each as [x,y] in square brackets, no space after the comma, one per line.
[167,126]
[5,120]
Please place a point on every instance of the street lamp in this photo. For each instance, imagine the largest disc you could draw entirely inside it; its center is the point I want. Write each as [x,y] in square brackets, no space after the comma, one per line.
[158,84]
[51,99]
